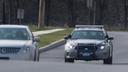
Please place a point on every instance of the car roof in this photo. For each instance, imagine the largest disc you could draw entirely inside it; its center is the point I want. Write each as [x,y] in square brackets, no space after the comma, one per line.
[95,29]
[89,27]
[13,26]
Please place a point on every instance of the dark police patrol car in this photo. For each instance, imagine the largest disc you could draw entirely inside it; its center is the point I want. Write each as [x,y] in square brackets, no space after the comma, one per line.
[89,42]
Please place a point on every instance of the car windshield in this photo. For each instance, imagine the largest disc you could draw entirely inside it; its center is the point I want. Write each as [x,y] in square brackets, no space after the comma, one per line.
[88,34]
[14,34]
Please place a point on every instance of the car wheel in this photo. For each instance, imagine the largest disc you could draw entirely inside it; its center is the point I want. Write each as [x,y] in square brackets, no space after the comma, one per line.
[108,60]
[69,60]
[36,56]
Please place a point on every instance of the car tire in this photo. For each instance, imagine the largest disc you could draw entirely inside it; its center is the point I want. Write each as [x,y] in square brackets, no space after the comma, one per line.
[36,56]
[108,60]
[69,60]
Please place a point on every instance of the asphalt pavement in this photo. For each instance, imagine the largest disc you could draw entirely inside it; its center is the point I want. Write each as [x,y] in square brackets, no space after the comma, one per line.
[16,66]
[120,51]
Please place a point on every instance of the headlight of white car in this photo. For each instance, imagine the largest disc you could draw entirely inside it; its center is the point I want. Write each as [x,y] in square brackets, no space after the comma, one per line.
[26,49]
[102,46]
[68,47]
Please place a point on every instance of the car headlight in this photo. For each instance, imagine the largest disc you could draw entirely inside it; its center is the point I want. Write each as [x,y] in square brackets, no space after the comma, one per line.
[69,47]
[102,47]
[26,49]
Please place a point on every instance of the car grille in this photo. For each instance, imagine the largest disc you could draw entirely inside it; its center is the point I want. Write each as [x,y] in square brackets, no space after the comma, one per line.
[9,50]
[87,47]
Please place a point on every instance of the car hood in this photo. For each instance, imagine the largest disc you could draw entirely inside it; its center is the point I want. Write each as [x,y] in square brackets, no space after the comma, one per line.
[84,41]
[14,43]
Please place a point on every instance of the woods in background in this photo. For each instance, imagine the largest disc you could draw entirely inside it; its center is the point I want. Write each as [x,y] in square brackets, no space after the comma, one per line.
[112,13]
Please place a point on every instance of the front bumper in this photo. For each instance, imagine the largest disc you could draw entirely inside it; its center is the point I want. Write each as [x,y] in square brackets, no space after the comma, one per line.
[17,56]
[96,55]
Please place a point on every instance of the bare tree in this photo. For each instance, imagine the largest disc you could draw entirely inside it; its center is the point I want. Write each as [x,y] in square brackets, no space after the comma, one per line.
[47,11]
[126,10]
[70,13]
[41,13]
[3,12]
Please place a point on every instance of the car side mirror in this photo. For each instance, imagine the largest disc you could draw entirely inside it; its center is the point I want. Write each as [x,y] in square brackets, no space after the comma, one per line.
[36,39]
[106,36]
[110,38]
[67,37]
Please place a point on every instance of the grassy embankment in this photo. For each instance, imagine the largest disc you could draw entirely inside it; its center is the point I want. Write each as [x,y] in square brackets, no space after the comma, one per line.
[49,38]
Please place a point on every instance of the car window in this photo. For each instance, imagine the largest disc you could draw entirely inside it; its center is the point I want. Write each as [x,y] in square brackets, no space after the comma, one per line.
[14,34]
[88,34]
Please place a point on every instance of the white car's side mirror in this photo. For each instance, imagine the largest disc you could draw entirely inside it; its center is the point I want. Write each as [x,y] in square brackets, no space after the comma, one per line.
[36,38]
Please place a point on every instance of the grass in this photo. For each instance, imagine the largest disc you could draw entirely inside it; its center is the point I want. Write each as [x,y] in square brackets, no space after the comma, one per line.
[49,38]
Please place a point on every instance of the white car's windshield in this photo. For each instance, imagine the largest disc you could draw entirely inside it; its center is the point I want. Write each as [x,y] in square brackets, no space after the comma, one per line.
[14,34]
[88,34]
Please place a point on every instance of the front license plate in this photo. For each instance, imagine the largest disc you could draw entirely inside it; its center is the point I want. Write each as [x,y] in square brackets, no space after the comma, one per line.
[86,54]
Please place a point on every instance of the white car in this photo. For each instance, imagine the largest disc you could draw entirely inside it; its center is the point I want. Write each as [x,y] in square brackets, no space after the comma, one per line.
[17,43]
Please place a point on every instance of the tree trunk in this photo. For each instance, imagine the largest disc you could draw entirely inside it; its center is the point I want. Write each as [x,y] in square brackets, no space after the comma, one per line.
[41,16]
[47,11]
[70,5]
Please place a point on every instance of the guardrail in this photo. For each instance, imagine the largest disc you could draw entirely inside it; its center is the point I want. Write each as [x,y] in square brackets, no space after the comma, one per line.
[52,45]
